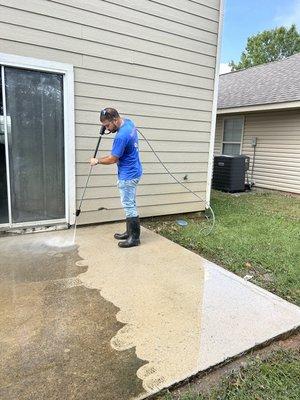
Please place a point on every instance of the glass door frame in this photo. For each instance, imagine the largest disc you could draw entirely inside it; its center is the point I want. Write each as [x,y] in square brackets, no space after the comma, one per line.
[7,224]
[9,60]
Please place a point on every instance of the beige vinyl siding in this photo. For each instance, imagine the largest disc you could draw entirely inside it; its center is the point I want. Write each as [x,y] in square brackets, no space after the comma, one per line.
[218,136]
[277,163]
[152,60]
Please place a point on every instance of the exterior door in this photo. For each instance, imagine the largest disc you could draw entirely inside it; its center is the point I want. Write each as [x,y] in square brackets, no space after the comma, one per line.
[32,176]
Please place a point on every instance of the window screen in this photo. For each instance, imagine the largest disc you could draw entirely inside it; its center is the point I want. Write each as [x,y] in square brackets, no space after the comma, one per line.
[232,136]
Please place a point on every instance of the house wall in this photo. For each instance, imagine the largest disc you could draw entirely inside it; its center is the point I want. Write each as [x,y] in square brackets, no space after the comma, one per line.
[277,163]
[152,60]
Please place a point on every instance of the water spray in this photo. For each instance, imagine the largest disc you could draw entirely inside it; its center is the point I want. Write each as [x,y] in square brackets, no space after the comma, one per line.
[78,210]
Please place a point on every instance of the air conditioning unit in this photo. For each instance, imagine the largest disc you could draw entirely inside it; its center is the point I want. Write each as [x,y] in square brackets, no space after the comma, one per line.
[229,173]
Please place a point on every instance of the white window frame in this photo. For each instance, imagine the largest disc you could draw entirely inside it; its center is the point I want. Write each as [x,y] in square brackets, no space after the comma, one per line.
[242,117]
[10,60]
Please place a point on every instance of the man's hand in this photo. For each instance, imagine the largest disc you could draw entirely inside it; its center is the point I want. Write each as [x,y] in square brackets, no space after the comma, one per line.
[107,160]
[94,161]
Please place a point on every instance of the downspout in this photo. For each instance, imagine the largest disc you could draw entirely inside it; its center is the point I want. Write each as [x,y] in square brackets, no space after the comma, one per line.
[214,108]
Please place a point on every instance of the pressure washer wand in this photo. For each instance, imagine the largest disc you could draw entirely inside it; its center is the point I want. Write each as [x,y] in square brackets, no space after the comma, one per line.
[102,130]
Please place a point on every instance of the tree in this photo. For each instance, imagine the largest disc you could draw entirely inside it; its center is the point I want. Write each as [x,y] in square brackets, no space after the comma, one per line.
[267,46]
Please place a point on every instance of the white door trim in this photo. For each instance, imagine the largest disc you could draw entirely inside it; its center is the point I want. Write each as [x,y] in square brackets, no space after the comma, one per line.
[69,127]
[6,147]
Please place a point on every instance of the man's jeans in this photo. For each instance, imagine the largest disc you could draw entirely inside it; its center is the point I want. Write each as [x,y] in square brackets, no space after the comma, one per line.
[127,190]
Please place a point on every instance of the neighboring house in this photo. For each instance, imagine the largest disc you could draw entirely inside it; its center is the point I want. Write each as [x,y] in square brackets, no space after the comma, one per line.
[259,116]
[61,62]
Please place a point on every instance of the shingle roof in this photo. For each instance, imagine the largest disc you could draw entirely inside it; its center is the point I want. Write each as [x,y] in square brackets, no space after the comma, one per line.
[275,82]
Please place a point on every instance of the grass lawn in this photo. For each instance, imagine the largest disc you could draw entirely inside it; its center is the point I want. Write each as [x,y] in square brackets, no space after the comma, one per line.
[255,234]
[276,378]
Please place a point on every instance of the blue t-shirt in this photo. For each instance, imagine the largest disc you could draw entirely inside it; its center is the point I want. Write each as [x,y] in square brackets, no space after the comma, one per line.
[126,148]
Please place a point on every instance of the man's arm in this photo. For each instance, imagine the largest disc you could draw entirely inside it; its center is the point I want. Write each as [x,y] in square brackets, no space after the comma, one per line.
[107,160]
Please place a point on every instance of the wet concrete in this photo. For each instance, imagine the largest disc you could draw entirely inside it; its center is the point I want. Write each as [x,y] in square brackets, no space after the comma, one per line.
[158,288]
[55,333]
[183,314]
[100,322]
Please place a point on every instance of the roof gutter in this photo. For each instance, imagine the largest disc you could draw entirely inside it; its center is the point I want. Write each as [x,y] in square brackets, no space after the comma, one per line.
[261,107]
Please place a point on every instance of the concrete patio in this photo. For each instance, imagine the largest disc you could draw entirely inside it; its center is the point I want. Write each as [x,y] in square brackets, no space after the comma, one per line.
[94,321]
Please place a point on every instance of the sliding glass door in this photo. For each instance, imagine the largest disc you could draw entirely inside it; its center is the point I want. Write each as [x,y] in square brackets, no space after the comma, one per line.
[33,129]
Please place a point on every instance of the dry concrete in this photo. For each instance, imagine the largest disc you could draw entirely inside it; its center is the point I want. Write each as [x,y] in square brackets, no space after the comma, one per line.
[99,322]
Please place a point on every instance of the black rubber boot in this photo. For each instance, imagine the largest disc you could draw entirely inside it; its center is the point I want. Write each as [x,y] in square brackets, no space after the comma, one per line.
[134,231]
[125,235]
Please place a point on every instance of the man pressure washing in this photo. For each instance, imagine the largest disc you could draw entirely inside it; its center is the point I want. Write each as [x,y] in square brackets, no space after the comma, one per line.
[125,153]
